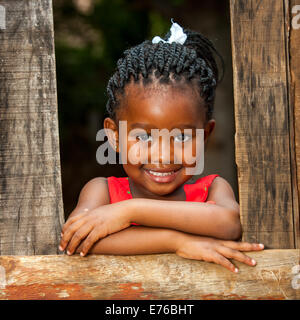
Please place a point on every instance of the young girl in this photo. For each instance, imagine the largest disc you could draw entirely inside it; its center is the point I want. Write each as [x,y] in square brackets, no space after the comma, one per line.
[164,84]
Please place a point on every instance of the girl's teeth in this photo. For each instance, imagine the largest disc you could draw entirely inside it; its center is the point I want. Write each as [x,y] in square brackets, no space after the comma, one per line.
[161,173]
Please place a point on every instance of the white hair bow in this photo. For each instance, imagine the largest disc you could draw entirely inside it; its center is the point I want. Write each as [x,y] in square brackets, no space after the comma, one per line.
[177,35]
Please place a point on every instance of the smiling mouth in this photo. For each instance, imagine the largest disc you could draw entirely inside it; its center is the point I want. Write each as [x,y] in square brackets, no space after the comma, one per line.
[162,176]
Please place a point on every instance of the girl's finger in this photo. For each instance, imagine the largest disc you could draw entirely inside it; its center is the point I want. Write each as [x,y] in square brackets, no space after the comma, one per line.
[71,220]
[93,237]
[242,246]
[219,259]
[68,234]
[237,255]
[77,237]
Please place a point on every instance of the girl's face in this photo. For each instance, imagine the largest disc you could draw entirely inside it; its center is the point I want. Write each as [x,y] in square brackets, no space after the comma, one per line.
[151,163]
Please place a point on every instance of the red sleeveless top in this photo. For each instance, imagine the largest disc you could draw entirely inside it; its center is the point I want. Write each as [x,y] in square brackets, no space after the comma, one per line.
[119,189]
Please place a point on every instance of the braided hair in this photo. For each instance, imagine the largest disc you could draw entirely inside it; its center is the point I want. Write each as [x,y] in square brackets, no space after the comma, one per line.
[168,63]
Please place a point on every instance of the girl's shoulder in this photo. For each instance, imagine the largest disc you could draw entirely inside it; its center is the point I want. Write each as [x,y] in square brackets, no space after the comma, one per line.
[98,182]
[198,188]
[222,192]
[216,181]
[213,182]
[211,188]
[208,180]
[94,193]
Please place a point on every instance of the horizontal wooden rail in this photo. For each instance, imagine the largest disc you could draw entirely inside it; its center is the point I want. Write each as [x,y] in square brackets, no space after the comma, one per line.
[147,277]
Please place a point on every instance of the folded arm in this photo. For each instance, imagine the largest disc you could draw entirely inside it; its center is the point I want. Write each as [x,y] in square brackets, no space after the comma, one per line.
[92,220]
[219,220]
[136,240]
[146,240]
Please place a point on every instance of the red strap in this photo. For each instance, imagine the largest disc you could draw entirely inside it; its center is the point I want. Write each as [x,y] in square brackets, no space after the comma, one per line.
[198,191]
[118,189]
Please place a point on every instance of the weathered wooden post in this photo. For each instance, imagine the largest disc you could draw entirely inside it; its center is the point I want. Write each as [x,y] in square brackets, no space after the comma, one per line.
[264,118]
[31,208]
[266,87]
[294,54]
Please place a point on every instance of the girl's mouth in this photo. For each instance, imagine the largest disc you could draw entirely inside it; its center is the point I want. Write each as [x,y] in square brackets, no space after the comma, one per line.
[162,177]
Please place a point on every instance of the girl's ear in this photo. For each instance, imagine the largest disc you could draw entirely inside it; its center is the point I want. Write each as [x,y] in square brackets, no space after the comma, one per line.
[209,127]
[112,133]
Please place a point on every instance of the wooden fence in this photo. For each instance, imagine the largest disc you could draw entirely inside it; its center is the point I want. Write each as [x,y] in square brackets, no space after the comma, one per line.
[266,72]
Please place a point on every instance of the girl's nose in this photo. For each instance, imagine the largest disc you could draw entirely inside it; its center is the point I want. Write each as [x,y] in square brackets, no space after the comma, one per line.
[162,153]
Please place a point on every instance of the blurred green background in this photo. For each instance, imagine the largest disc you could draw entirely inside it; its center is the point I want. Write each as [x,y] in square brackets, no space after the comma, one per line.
[90,36]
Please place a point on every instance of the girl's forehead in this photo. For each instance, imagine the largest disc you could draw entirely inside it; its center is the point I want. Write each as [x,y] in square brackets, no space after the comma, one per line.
[162,105]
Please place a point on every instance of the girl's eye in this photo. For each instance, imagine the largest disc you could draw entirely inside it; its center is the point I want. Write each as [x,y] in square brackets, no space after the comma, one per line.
[183,137]
[144,137]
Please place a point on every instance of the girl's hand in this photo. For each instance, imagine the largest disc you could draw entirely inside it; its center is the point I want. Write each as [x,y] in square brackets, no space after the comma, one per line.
[91,226]
[215,250]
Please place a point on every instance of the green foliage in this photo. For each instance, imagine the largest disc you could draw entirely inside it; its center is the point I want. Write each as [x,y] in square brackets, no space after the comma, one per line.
[159,25]
[88,46]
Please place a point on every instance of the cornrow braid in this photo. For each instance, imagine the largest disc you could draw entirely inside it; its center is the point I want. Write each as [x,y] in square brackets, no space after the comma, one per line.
[168,62]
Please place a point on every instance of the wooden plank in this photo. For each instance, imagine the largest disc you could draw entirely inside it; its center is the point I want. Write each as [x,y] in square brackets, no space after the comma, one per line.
[147,277]
[31,208]
[262,135]
[293,8]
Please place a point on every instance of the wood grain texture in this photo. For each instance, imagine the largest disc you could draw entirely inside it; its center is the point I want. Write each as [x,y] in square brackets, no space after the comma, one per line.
[262,135]
[294,65]
[146,277]
[31,208]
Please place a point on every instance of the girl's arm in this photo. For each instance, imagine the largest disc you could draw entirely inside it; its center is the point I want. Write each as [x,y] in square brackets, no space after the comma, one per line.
[220,220]
[93,195]
[136,240]
[145,240]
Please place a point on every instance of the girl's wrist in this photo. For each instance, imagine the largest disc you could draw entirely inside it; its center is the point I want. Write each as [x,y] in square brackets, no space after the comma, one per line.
[131,208]
[174,239]
[128,209]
